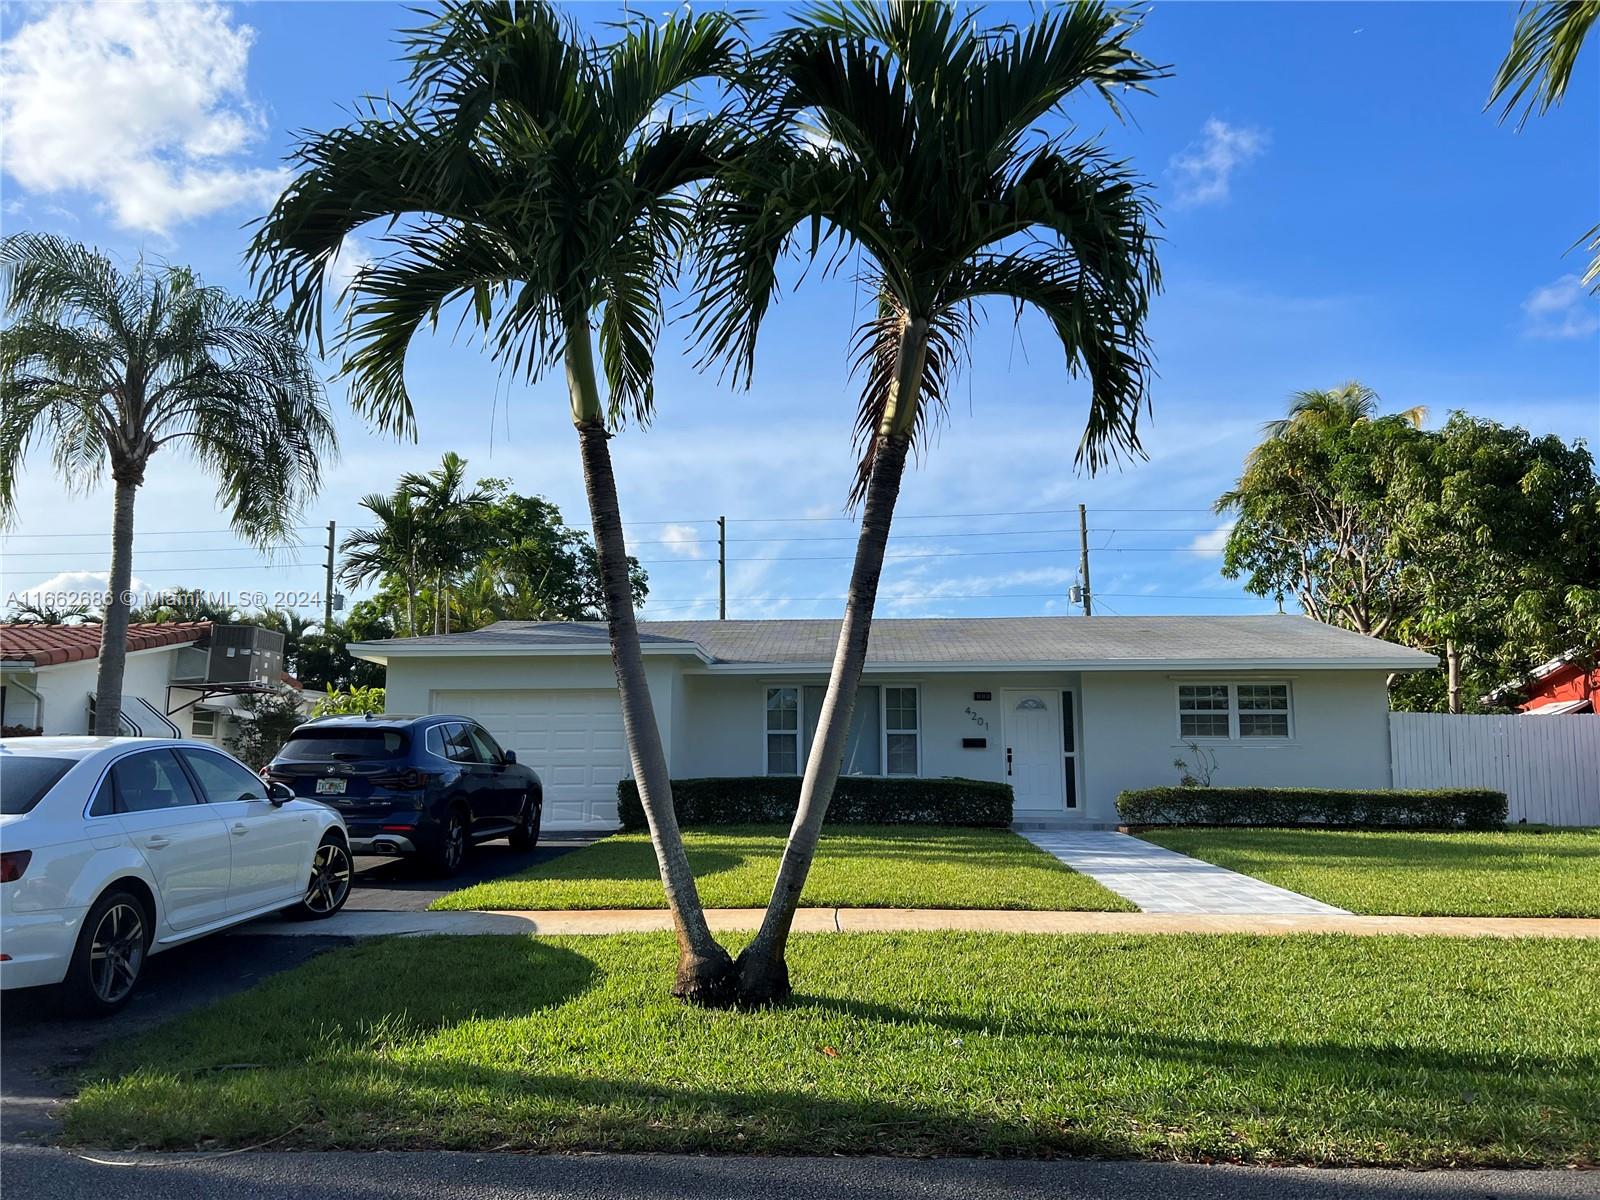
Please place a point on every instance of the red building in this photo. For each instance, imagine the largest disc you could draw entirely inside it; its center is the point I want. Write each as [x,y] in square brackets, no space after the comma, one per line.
[1562,685]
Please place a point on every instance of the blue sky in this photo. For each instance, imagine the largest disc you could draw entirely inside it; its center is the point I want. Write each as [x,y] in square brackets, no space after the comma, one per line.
[1336,205]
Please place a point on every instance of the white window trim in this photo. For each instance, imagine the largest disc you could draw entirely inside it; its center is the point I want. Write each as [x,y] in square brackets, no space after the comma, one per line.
[1233,686]
[798,730]
[884,731]
[802,752]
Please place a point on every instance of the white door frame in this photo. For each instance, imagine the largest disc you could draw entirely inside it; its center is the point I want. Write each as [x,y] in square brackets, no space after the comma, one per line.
[1052,696]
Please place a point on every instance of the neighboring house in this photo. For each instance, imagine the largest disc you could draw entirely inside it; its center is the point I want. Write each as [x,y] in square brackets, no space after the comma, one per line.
[1069,710]
[183,678]
[1561,686]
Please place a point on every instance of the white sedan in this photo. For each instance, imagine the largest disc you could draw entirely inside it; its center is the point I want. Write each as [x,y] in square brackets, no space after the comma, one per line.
[113,849]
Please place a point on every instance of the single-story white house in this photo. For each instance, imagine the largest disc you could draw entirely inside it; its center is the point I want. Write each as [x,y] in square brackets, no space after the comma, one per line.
[182,678]
[1068,710]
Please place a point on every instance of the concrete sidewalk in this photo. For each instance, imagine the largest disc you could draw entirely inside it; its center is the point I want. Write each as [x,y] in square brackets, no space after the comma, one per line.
[900,920]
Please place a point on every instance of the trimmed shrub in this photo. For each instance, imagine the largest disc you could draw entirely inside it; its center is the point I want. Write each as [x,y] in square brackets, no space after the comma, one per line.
[1458,808]
[857,800]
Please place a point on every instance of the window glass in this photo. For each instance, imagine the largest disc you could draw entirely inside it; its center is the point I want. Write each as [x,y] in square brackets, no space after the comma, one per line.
[488,750]
[1263,710]
[863,748]
[783,731]
[901,730]
[24,780]
[433,740]
[150,781]
[223,780]
[458,745]
[333,743]
[1203,710]
[203,723]
[1068,746]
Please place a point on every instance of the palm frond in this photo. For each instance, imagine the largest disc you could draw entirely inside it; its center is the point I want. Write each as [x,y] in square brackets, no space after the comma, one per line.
[1544,48]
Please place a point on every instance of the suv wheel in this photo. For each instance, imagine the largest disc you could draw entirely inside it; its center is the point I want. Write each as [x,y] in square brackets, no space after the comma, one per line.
[109,957]
[329,886]
[450,851]
[526,835]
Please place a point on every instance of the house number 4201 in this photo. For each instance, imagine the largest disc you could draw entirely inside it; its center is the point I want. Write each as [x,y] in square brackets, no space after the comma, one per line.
[980,721]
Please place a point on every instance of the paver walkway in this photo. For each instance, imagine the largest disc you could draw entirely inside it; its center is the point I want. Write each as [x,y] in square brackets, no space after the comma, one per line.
[914,920]
[1163,881]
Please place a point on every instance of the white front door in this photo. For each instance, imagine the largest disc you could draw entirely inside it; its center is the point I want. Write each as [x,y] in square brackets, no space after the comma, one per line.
[572,738]
[1035,768]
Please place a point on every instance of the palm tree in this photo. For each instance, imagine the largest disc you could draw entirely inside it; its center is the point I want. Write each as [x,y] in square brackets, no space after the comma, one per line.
[543,179]
[29,612]
[910,135]
[1349,404]
[388,548]
[452,525]
[110,366]
[1537,70]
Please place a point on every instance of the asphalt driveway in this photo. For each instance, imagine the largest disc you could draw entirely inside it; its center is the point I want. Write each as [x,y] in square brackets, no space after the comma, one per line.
[41,1050]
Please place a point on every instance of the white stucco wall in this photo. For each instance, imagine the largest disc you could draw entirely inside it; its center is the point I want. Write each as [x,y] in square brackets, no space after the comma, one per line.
[64,690]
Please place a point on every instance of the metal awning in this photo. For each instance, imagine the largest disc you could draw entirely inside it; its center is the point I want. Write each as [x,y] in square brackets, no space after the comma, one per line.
[1557,708]
[143,719]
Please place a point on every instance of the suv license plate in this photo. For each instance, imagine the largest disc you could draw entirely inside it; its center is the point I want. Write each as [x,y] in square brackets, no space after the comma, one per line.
[330,787]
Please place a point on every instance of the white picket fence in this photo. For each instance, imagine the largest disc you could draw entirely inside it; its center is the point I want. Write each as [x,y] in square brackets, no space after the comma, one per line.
[1548,767]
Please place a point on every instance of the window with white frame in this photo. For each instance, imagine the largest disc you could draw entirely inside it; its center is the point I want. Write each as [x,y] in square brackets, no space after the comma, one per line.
[1233,710]
[783,731]
[901,730]
[884,735]
[203,723]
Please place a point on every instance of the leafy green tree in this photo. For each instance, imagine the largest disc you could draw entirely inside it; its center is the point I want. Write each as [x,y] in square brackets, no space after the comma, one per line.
[350,702]
[388,550]
[909,134]
[1538,68]
[540,181]
[110,366]
[451,524]
[269,718]
[1497,537]
[30,613]
[1312,516]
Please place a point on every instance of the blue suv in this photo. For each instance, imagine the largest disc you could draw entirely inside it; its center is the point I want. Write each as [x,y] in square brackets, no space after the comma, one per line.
[431,786]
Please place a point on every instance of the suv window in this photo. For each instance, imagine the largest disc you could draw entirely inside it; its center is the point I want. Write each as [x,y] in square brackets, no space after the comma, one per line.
[148,782]
[343,744]
[27,779]
[223,780]
[458,745]
[488,748]
[433,740]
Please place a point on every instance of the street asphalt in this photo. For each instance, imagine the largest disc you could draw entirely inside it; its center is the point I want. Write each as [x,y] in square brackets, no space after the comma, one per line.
[45,1174]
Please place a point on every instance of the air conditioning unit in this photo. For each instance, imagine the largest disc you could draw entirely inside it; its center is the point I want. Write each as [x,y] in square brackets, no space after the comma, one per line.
[245,654]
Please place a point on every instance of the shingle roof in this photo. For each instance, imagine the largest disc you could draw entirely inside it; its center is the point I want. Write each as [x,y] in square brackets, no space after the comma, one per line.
[51,645]
[1057,641]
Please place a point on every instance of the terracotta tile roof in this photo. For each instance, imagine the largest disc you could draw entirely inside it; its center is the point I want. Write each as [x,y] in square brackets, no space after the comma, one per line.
[51,645]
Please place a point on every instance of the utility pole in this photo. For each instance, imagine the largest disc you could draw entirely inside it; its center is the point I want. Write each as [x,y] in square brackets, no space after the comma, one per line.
[327,588]
[1083,559]
[722,568]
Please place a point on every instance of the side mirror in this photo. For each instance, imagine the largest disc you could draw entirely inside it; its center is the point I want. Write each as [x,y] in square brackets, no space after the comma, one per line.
[279,793]
[511,758]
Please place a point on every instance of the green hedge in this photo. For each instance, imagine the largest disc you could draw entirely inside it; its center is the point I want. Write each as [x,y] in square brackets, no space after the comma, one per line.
[772,800]
[1461,808]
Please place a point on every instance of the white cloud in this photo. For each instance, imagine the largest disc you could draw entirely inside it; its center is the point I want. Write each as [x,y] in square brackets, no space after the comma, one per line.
[1563,309]
[67,589]
[141,105]
[683,541]
[1205,167]
[1213,539]
[354,258]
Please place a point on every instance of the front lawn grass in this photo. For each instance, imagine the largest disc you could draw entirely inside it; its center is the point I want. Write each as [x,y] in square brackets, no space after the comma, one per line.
[1510,873]
[866,866]
[1314,1049]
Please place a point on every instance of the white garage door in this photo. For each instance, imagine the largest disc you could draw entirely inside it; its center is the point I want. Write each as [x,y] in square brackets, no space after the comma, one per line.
[573,739]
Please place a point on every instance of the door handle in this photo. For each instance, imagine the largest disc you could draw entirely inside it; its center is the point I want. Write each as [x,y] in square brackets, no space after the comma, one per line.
[1008,760]
[240,829]
[156,842]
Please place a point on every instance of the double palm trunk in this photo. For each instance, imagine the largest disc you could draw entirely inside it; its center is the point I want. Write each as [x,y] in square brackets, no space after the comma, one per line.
[114,627]
[705,972]
[763,966]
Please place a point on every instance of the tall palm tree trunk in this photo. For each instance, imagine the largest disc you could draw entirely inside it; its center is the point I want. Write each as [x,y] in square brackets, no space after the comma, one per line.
[114,628]
[762,967]
[705,971]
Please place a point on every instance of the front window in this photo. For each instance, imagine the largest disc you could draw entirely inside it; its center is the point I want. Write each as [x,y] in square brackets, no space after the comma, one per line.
[783,731]
[901,730]
[1233,710]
